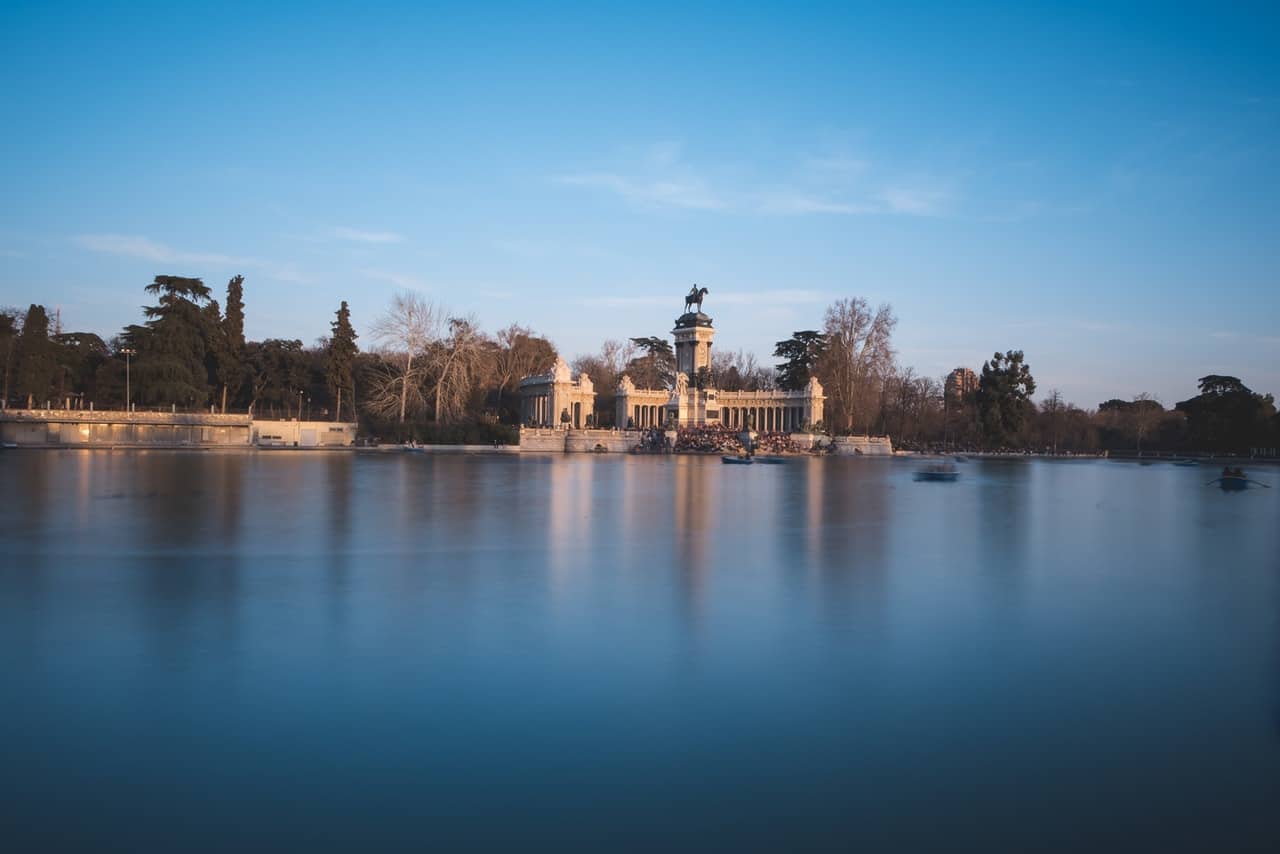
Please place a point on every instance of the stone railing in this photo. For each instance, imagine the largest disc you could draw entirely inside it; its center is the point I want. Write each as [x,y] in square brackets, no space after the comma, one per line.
[870,446]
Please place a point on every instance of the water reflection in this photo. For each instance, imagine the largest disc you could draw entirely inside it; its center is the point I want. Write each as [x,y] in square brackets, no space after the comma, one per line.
[695,507]
[1003,522]
[783,647]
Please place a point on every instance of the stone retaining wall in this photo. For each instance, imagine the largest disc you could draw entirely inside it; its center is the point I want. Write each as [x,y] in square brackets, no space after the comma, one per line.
[542,440]
[871,446]
[592,441]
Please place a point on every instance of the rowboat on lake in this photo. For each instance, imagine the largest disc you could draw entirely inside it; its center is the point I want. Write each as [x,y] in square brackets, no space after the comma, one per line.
[736,461]
[1235,480]
[771,460]
[940,472]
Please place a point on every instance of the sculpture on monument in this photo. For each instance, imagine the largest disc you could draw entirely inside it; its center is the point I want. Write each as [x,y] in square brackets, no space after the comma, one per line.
[694,297]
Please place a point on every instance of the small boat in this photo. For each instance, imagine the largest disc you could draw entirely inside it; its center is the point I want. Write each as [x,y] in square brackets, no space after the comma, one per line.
[961,458]
[1233,483]
[736,461]
[940,472]
[1235,480]
[1186,463]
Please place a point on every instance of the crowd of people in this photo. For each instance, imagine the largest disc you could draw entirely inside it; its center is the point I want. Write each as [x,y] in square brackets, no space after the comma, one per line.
[718,439]
[712,439]
[708,439]
[653,441]
[775,443]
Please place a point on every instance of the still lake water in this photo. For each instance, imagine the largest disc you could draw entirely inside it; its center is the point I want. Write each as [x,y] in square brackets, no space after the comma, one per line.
[375,652]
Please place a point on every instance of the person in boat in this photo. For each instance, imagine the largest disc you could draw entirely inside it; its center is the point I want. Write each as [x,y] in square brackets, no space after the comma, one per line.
[1226,471]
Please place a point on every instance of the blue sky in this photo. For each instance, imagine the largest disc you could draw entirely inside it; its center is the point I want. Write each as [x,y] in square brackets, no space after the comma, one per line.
[1094,184]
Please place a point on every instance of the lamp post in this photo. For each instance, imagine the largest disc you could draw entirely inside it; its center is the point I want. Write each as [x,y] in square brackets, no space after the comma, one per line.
[128,353]
[300,393]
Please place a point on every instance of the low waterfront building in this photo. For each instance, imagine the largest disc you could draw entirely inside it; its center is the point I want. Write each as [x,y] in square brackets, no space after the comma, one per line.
[71,428]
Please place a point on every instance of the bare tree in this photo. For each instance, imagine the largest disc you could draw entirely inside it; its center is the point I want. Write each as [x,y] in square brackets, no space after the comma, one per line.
[741,371]
[1146,413]
[859,354]
[406,330]
[1053,408]
[456,365]
[519,353]
[393,390]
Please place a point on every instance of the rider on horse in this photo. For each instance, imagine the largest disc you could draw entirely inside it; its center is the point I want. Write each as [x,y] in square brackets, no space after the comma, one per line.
[694,297]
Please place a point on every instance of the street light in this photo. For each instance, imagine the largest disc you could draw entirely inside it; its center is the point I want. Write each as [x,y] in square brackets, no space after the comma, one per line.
[128,353]
[300,393]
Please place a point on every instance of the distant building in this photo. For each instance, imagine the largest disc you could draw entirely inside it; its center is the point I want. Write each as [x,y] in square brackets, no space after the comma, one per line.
[961,383]
[557,400]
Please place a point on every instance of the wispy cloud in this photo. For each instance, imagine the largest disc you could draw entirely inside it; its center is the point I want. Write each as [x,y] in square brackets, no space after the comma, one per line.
[690,194]
[146,249]
[915,200]
[841,165]
[407,281]
[774,297]
[837,185]
[797,204]
[771,298]
[626,302]
[535,248]
[134,246]
[290,275]
[361,236]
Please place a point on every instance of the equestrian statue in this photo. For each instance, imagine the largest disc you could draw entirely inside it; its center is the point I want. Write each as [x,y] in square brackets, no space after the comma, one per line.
[694,297]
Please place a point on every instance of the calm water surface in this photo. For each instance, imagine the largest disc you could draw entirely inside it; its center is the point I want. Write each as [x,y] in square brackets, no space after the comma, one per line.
[375,652]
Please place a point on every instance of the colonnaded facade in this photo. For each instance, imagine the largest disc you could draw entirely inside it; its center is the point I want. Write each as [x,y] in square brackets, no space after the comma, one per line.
[557,400]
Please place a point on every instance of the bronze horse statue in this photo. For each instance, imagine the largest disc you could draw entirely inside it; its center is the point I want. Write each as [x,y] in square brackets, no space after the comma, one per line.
[694,297]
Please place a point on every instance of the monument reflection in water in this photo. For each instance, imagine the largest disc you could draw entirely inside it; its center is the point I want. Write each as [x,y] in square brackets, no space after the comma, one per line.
[340,651]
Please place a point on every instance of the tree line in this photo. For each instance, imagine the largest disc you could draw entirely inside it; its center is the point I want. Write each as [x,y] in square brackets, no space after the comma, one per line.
[189,354]
[437,376]
[430,375]
[869,391]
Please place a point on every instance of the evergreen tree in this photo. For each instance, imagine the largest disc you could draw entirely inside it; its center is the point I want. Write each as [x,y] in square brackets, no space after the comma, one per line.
[216,350]
[172,344]
[341,361]
[8,348]
[1227,415]
[657,367]
[79,355]
[1004,397]
[802,352]
[233,366]
[279,372]
[36,362]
